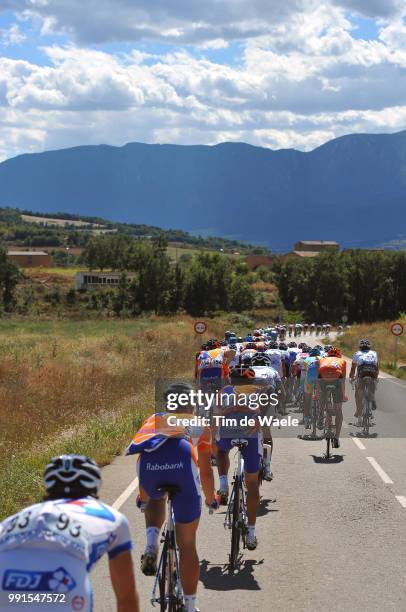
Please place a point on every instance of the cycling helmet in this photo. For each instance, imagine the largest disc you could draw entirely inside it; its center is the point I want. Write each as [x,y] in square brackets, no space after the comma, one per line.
[204,347]
[227,334]
[283,346]
[240,339]
[292,345]
[251,345]
[212,344]
[334,352]
[327,347]
[273,345]
[72,476]
[314,352]
[246,361]
[364,345]
[256,332]
[301,345]
[319,347]
[261,359]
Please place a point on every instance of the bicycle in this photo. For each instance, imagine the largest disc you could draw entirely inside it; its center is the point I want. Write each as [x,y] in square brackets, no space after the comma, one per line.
[236,515]
[167,578]
[368,388]
[315,415]
[329,412]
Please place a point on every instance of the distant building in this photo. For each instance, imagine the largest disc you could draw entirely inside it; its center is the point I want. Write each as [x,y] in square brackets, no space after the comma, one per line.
[255,261]
[30,259]
[98,280]
[315,246]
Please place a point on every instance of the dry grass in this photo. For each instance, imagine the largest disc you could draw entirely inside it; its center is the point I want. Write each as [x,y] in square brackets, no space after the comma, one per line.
[382,340]
[80,386]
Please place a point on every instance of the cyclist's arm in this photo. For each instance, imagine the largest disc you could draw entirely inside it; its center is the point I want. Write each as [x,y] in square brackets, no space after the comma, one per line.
[206,475]
[123,582]
[353,369]
[229,355]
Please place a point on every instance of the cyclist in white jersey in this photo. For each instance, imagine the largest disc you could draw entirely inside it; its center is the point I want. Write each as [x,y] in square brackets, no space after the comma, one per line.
[276,359]
[47,550]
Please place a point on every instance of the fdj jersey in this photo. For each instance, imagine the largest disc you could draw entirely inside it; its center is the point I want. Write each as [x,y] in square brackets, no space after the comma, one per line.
[49,548]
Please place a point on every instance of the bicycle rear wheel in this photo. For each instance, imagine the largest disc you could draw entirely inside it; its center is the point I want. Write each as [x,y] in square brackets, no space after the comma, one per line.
[366,423]
[163,603]
[236,527]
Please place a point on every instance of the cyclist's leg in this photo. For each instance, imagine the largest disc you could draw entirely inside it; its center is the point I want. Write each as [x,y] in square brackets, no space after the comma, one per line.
[251,455]
[188,560]
[223,466]
[358,396]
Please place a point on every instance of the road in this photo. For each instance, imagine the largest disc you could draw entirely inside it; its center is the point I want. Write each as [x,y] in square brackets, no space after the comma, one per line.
[331,535]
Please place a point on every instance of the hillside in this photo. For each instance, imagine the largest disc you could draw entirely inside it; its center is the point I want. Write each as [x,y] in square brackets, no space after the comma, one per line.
[352,189]
[60,230]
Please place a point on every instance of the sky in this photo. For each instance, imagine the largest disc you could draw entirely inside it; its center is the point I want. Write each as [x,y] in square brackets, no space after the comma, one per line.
[273,73]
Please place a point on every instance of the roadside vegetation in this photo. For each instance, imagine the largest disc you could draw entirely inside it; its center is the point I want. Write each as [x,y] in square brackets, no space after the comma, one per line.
[382,340]
[364,285]
[70,386]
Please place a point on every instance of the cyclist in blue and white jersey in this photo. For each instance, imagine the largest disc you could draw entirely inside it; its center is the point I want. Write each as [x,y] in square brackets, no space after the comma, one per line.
[48,549]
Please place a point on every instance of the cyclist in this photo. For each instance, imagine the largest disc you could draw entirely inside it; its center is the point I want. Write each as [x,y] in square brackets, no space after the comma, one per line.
[51,547]
[308,379]
[251,454]
[333,368]
[276,359]
[212,365]
[172,455]
[364,363]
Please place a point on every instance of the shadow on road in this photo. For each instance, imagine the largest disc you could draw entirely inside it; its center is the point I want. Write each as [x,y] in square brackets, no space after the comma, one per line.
[218,578]
[333,459]
[263,509]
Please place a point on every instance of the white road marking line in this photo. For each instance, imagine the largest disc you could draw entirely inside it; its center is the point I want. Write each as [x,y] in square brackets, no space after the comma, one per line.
[358,443]
[120,501]
[402,500]
[380,471]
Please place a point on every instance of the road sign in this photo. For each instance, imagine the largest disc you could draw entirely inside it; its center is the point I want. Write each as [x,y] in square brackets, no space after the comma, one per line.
[396,329]
[200,327]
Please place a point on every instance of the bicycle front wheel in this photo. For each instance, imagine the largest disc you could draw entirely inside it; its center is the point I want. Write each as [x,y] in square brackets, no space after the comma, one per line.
[236,527]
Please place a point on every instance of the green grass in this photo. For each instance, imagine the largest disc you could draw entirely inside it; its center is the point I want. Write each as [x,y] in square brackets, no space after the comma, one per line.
[68,272]
[102,438]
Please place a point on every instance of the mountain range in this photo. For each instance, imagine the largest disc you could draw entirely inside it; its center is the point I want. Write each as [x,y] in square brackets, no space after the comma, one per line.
[351,189]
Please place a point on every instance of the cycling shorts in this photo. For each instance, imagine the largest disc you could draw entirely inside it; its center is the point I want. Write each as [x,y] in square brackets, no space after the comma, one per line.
[338,395]
[173,463]
[251,453]
[367,369]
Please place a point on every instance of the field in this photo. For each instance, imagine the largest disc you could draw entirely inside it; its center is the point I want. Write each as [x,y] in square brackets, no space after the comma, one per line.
[383,342]
[80,386]
[58,222]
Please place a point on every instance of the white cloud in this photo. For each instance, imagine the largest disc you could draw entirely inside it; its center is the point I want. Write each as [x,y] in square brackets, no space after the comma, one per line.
[11,36]
[301,78]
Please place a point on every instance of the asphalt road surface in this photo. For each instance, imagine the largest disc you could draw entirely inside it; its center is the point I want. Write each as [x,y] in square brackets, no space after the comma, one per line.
[332,535]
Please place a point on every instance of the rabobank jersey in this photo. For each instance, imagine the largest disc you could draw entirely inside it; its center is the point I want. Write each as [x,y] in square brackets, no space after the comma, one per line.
[158,428]
[211,366]
[49,548]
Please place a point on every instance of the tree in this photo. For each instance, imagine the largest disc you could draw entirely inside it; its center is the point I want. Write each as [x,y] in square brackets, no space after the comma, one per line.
[9,278]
